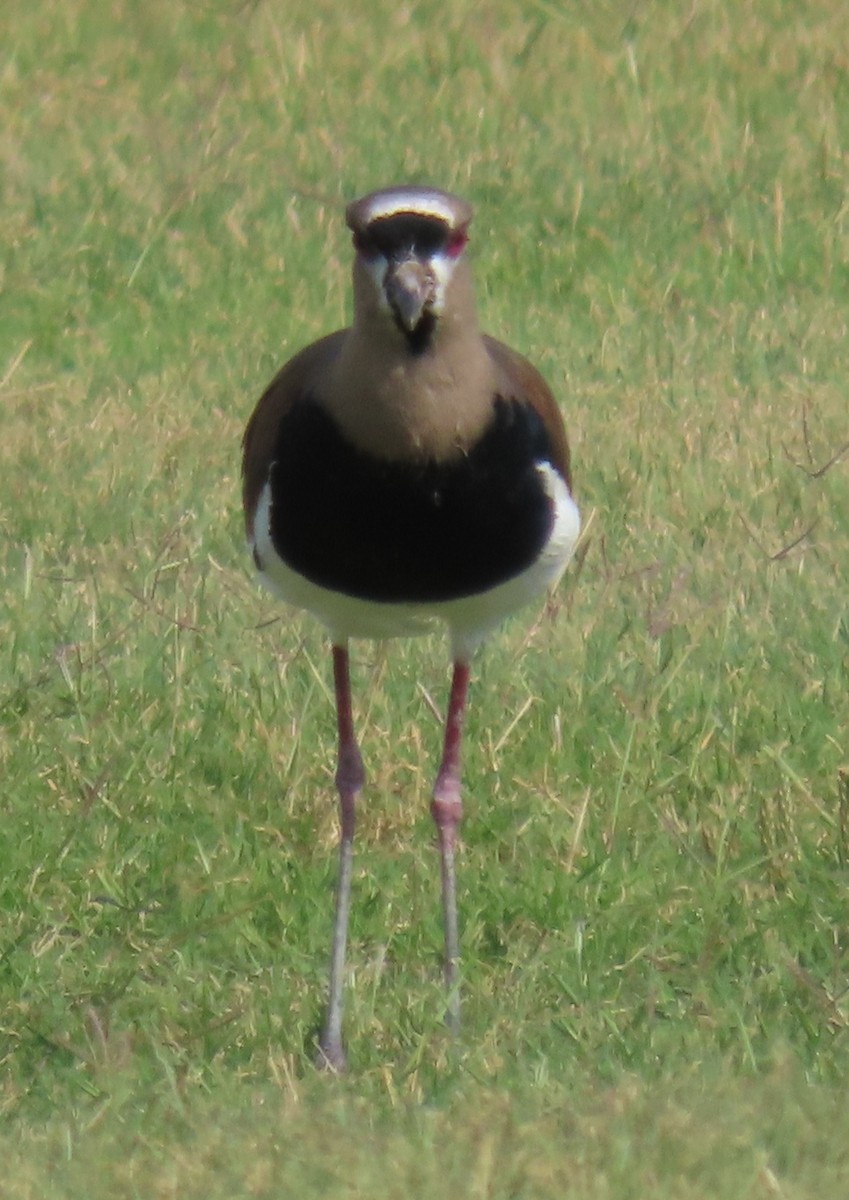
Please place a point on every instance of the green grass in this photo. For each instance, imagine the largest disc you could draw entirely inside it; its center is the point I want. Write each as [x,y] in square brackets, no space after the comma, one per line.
[655,865]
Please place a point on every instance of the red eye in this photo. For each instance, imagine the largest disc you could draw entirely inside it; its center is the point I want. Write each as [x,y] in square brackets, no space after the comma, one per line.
[457,243]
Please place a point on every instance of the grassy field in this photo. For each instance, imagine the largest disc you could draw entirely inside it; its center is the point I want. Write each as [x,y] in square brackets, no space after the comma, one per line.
[655,865]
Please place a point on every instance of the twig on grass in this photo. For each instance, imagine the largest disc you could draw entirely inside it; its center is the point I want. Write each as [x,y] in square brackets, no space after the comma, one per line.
[777,555]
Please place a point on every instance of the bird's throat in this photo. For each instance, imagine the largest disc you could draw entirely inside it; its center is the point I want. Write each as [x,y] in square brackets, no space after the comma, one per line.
[421,337]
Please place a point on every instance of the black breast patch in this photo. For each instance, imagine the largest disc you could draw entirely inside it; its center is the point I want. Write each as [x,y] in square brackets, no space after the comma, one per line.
[404,532]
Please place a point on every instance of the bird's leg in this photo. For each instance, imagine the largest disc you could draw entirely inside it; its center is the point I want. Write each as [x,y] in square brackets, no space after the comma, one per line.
[447,810]
[350,777]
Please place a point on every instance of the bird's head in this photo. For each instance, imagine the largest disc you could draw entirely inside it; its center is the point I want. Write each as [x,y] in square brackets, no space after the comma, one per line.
[409,244]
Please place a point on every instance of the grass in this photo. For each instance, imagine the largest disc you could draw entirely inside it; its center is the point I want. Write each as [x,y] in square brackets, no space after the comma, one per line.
[656,852]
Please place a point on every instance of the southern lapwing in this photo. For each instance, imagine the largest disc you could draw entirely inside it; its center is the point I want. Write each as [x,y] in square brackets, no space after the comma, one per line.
[407,471]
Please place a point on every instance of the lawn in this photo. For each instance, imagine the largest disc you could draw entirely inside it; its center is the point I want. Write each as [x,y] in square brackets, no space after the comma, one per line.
[654,872]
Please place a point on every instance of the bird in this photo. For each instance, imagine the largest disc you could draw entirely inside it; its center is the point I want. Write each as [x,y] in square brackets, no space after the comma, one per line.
[405,473]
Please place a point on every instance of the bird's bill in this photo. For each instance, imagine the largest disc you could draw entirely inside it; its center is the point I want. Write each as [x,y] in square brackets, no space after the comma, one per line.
[410,288]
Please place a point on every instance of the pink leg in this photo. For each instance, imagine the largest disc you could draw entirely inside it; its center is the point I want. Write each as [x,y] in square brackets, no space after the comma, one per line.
[350,777]
[447,810]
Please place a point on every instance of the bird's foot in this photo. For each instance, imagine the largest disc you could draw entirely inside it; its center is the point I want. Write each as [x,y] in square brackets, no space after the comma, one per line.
[330,1056]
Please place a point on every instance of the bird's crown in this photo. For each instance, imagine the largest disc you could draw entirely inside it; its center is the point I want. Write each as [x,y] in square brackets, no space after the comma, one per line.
[422,203]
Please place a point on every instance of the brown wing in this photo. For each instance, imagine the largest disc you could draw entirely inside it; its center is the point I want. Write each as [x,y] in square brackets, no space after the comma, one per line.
[523,382]
[295,379]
